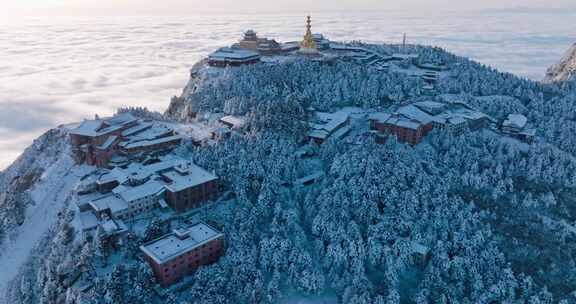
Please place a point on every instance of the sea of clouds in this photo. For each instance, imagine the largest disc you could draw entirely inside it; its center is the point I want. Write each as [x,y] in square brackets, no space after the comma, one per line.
[61,70]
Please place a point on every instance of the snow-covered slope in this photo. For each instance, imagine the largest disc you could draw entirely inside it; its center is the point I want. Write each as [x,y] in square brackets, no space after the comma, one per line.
[34,188]
[565,69]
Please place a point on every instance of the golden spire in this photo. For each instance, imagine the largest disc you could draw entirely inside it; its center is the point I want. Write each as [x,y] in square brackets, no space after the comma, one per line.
[308,41]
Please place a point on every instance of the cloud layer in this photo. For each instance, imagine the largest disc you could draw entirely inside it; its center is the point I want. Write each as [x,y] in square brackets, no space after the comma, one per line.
[56,71]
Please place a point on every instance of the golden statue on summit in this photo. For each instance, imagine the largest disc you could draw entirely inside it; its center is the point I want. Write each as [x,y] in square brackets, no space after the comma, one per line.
[308,45]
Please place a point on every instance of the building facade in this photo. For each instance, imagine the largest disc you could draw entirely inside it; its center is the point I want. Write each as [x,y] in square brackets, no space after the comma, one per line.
[180,253]
[406,130]
[189,187]
[192,197]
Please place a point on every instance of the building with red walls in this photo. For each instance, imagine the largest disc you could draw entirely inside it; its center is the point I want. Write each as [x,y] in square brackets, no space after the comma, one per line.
[181,252]
[189,186]
[96,142]
[405,129]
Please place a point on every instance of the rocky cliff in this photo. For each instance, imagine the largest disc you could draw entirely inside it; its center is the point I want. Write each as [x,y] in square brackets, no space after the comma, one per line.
[565,69]
[179,108]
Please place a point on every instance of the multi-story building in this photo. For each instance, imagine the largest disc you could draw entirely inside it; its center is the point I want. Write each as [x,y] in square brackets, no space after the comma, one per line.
[141,199]
[405,129]
[454,124]
[93,141]
[264,46]
[250,41]
[98,141]
[181,252]
[189,186]
[409,124]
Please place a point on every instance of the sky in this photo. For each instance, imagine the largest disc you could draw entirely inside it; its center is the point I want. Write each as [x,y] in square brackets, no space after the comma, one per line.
[178,7]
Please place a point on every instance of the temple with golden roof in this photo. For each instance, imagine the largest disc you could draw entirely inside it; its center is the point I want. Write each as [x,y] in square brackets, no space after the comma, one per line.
[308,45]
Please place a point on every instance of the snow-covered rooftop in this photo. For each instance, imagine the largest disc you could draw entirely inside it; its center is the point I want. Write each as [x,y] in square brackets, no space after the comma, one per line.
[88,220]
[189,175]
[121,119]
[153,132]
[420,248]
[516,121]
[234,121]
[147,143]
[113,226]
[147,189]
[413,112]
[175,244]
[404,122]
[137,129]
[229,53]
[450,118]
[327,123]
[111,202]
[380,116]
[87,128]
[98,127]
[108,143]
[430,104]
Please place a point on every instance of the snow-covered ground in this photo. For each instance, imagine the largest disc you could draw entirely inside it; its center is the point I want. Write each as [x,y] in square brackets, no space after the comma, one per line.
[49,195]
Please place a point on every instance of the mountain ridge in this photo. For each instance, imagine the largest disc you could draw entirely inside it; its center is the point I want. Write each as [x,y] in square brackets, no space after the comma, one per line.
[353,233]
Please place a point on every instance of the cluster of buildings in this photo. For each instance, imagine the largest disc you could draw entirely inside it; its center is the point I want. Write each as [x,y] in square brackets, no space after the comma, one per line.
[411,123]
[137,180]
[122,194]
[516,126]
[251,48]
[120,140]
[112,200]
[372,58]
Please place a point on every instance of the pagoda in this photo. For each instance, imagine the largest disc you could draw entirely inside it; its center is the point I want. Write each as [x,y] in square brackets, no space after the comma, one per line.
[308,45]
